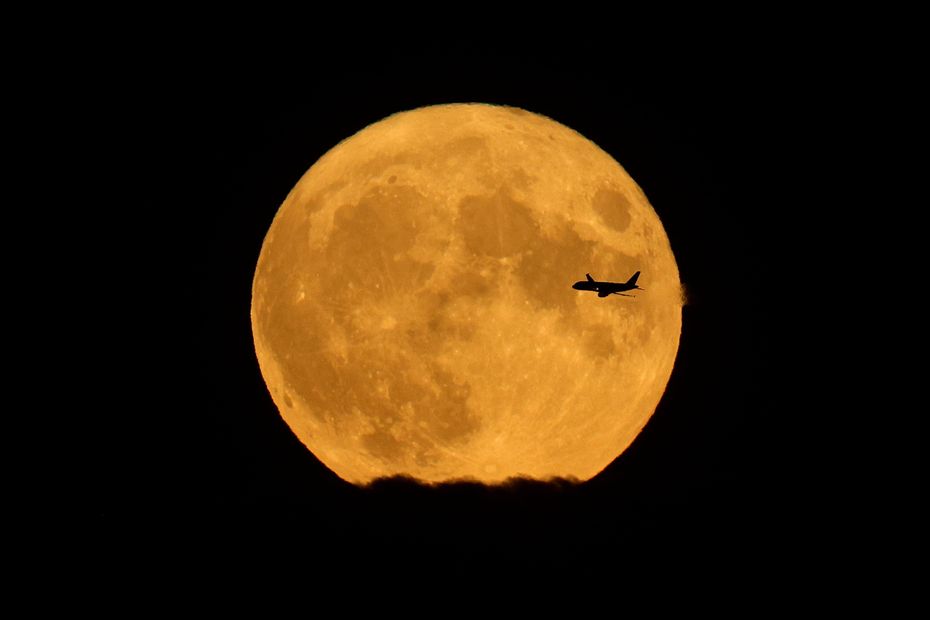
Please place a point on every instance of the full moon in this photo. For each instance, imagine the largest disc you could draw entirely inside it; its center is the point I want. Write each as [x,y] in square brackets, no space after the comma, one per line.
[413,311]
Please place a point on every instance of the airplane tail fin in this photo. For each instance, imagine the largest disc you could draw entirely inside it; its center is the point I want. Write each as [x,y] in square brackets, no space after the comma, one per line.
[633,278]
[588,276]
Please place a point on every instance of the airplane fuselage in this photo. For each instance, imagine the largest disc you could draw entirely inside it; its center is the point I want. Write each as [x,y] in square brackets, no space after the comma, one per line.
[610,287]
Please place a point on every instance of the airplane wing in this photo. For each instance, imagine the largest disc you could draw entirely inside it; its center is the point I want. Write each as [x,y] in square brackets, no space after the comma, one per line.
[603,293]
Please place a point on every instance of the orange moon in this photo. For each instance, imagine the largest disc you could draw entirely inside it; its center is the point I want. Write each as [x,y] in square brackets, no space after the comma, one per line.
[413,311]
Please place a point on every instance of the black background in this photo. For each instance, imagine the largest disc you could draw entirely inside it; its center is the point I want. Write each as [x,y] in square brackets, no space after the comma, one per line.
[195,456]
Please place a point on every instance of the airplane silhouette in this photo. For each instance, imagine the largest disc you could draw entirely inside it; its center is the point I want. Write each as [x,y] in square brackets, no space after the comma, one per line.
[607,288]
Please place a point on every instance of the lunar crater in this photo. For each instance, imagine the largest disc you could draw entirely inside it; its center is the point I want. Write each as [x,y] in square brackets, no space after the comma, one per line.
[614,209]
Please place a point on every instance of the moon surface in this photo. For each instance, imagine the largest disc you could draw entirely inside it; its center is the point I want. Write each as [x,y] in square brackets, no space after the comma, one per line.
[413,311]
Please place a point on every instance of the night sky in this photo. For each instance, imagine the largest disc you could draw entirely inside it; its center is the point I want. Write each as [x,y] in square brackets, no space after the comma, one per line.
[199,458]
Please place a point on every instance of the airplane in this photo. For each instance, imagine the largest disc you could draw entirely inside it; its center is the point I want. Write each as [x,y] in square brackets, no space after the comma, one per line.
[607,288]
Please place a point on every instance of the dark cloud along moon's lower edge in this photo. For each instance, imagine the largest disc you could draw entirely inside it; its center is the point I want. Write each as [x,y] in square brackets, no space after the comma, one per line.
[512,483]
